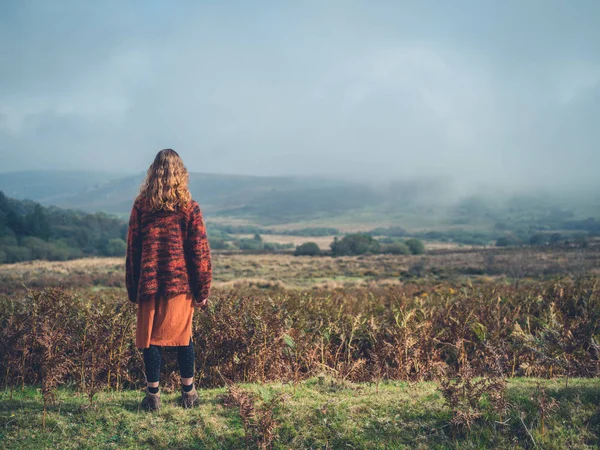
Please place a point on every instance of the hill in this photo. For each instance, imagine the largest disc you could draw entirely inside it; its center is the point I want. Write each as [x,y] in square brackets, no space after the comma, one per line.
[265,200]
[51,187]
[427,209]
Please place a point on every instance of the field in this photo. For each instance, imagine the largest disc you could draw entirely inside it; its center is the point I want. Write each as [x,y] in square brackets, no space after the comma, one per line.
[448,265]
[457,348]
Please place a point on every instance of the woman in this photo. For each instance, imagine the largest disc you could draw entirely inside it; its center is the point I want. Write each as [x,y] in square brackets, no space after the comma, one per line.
[168,271]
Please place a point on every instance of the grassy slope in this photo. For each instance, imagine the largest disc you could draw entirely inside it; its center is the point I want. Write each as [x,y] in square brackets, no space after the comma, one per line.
[320,414]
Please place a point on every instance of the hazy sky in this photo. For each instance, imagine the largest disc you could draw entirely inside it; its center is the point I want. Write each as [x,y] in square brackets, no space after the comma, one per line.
[483,91]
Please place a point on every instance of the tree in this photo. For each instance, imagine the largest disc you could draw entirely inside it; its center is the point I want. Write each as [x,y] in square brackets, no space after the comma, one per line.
[116,247]
[555,239]
[37,224]
[31,231]
[416,246]
[217,243]
[307,249]
[538,240]
[508,240]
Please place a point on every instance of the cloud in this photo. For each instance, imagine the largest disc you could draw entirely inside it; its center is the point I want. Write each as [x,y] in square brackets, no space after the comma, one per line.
[482,92]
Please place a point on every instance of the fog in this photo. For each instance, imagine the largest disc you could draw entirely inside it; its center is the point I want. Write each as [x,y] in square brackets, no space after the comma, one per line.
[478,93]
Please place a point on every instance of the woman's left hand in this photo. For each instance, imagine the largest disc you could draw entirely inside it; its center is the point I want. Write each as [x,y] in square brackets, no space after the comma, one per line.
[202,304]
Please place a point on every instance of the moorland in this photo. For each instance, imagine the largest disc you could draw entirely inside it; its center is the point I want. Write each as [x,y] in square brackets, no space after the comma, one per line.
[487,337]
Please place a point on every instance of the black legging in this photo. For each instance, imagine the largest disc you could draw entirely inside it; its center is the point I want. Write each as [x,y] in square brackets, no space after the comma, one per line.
[153,358]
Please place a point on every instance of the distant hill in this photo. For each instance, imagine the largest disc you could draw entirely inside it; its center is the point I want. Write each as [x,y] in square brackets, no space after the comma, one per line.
[420,205]
[266,200]
[50,187]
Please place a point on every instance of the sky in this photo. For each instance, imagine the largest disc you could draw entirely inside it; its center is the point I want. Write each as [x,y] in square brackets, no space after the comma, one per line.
[479,92]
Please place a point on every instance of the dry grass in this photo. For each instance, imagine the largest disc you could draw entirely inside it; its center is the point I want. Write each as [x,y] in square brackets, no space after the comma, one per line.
[285,270]
[360,334]
[61,267]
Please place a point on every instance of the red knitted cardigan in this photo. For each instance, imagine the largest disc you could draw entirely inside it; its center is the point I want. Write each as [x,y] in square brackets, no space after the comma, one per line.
[167,253]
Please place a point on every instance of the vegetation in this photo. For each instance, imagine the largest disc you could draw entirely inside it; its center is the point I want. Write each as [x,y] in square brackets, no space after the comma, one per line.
[355,244]
[313,232]
[256,243]
[320,412]
[445,368]
[307,249]
[509,240]
[361,243]
[389,231]
[460,236]
[313,206]
[382,346]
[416,246]
[30,231]
[269,270]
[397,333]
[449,359]
[252,229]
[396,248]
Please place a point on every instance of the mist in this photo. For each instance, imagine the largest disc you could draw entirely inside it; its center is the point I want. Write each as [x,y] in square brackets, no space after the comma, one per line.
[479,94]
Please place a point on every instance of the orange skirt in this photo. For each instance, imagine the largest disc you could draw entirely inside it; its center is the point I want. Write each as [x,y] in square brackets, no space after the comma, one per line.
[166,322]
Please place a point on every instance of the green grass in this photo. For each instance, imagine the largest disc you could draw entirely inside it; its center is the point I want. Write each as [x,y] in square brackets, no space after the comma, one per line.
[319,413]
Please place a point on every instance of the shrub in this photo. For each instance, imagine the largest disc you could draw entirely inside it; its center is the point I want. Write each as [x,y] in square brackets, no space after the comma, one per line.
[308,249]
[459,236]
[274,246]
[581,240]
[16,254]
[416,246]
[556,239]
[218,244]
[509,240]
[385,333]
[396,248]
[355,244]
[250,244]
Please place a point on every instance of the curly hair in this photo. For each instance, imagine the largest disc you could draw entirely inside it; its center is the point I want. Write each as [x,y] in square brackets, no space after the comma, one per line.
[166,185]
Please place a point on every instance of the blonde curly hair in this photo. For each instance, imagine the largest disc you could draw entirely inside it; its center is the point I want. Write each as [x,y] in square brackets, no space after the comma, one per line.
[166,185]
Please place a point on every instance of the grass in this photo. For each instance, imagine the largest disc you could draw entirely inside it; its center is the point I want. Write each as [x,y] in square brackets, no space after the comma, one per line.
[319,413]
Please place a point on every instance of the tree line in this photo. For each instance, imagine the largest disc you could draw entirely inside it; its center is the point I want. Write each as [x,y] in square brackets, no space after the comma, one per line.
[363,243]
[31,231]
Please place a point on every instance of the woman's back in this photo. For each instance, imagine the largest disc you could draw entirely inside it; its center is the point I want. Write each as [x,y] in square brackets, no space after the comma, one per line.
[168,251]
